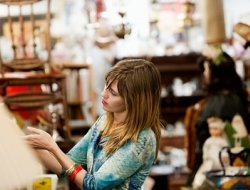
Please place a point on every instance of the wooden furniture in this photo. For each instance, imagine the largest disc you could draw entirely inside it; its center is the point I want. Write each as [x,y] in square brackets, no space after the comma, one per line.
[30,67]
[173,181]
[184,67]
[81,106]
[172,141]
[33,99]
[29,36]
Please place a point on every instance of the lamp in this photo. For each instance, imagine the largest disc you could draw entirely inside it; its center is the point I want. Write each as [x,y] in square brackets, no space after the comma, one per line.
[122,29]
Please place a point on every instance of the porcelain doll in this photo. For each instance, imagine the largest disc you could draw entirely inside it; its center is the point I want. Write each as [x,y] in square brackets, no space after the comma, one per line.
[211,149]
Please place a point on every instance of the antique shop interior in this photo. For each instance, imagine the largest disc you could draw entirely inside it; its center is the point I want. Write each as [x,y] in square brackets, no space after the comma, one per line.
[54,55]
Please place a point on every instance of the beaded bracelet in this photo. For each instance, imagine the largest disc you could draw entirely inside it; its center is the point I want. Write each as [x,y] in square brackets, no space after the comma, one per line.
[73,171]
[70,170]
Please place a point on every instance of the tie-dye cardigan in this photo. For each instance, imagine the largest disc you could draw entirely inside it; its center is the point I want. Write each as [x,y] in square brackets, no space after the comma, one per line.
[125,169]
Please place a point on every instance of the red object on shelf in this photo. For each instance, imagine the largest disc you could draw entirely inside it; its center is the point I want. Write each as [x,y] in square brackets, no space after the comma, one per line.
[30,115]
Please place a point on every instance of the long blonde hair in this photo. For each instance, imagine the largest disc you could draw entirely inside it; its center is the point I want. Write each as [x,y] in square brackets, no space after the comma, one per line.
[139,84]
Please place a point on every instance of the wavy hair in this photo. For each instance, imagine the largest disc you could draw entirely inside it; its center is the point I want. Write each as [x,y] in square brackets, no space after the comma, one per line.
[139,84]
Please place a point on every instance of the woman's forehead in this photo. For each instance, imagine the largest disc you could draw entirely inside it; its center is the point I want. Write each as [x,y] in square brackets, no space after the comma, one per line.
[112,83]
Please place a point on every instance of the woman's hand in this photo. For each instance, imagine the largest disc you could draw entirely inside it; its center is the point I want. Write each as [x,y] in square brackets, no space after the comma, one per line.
[39,139]
[47,150]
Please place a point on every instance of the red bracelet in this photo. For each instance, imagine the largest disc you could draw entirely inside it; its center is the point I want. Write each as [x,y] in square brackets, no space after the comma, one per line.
[76,170]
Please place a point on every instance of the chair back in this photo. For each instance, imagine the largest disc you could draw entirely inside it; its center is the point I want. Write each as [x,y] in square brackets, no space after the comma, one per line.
[28,34]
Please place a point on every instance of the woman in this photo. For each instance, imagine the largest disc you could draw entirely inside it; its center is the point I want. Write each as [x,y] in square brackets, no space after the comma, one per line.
[226,96]
[119,149]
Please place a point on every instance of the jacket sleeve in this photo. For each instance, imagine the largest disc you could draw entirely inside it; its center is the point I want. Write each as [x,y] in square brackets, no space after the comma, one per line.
[79,152]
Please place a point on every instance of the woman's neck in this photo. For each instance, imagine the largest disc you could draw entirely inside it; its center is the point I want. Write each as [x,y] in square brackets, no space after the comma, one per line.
[119,117]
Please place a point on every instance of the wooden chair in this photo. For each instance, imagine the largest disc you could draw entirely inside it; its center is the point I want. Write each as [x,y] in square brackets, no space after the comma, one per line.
[27,32]
[30,67]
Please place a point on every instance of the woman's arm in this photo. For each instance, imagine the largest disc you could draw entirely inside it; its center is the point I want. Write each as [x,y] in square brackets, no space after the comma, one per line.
[50,154]
[49,161]
[67,163]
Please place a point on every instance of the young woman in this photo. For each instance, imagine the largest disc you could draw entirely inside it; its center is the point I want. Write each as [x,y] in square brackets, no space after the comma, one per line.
[119,149]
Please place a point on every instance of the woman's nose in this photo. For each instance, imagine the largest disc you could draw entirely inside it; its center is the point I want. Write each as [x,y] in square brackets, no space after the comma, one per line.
[104,93]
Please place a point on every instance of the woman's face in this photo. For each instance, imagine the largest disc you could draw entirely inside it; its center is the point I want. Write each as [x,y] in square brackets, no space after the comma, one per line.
[206,73]
[111,99]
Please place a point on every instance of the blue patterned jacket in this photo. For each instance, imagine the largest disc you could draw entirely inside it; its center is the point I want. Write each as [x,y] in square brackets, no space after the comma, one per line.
[125,169]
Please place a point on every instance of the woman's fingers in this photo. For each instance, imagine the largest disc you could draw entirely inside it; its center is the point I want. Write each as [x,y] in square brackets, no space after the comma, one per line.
[39,132]
[38,138]
[35,141]
[34,130]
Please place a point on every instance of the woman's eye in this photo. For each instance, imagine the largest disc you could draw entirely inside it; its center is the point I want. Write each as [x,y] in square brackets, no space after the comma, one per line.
[113,92]
[108,87]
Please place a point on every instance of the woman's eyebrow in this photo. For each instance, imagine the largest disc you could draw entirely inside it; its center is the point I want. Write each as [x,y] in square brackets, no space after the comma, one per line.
[113,91]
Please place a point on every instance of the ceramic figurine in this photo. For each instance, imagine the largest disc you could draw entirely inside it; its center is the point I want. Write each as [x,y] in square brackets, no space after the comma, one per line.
[211,149]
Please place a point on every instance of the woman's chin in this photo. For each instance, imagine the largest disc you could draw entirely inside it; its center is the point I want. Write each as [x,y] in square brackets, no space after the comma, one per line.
[104,108]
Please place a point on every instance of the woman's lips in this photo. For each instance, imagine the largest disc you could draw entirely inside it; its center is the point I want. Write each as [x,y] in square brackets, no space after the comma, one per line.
[104,103]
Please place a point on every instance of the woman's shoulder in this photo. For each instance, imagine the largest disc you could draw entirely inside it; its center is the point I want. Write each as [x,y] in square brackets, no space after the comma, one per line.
[145,145]
[147,132]
[146,138]
[147,135]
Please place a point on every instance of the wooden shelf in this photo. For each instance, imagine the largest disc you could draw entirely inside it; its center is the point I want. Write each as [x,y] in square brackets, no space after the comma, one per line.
[173,108]
[79,123]
[82,113]
[172,141]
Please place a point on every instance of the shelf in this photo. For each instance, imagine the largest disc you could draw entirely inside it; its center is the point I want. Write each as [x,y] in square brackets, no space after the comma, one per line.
[80,104]
[173,108]
[75,103]
[172,141]
[79,126]
[79,123]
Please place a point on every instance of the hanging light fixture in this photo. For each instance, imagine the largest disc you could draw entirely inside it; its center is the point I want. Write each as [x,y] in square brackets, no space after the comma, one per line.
[122,29]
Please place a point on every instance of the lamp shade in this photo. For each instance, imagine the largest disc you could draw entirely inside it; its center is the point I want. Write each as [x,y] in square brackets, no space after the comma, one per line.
[213,21]
[18,163]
